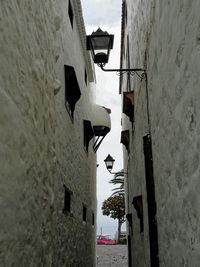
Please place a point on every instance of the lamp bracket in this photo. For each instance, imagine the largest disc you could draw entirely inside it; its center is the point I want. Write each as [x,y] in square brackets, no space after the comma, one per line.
[141,73]
[122,173]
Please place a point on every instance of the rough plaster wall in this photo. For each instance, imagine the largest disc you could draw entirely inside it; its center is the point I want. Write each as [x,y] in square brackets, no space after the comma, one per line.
[136,29]
[40,148]
[169,31]
[174,66]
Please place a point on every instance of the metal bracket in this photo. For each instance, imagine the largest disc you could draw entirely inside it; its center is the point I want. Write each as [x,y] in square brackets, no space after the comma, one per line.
[122,173]
[141,73]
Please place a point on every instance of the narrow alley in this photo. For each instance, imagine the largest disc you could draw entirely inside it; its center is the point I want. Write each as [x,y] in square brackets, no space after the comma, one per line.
[112,256]
[58,113]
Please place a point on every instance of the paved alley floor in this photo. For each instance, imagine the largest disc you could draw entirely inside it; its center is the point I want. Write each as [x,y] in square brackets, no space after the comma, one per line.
[115,256]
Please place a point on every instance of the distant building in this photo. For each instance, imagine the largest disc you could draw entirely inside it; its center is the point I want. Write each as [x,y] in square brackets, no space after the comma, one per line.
[161,129]
[50,130]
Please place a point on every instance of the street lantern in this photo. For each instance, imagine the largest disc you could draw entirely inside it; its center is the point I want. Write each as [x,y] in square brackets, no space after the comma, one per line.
[100,43]
[109,161]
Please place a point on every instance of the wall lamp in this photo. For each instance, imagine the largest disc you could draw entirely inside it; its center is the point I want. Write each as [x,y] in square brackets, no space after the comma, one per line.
[100,43]
[109,161]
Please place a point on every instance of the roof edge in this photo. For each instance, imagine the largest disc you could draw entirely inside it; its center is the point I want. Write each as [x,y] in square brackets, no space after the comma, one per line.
[81,28]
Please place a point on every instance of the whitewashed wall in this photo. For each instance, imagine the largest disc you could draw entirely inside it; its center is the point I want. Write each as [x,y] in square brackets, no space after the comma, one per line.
[40,148]
[169,32]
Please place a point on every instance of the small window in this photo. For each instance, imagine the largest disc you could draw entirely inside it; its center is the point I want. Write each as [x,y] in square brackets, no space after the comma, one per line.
[86,77]
[67,200]
[128,65]
[138,205]
[126,13]
[92,218]
[125,139]
[128,105]
[72,90]
[88,133]
[84,213]
[70,12]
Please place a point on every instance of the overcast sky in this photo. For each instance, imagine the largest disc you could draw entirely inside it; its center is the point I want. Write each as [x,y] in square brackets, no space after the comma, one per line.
[106,14]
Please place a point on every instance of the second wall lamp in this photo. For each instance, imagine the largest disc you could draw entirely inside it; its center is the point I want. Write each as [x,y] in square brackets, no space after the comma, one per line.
[109,161]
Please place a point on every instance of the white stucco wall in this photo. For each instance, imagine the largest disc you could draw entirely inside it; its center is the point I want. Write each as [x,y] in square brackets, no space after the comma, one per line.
[40,148]
[169,33]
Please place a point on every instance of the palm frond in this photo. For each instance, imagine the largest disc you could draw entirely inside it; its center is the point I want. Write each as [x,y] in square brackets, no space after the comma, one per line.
[119,188]
[119,174]
[116,181]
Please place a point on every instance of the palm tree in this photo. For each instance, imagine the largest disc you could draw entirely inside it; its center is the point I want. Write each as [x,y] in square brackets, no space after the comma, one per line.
[119,192]
[118,180]
[114,207]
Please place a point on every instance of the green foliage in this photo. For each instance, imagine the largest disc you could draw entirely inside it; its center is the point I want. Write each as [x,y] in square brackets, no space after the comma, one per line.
[122,241]
[118,180]
[114,207]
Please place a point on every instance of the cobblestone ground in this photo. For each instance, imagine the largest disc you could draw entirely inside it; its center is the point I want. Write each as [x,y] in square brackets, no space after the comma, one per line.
[115,256]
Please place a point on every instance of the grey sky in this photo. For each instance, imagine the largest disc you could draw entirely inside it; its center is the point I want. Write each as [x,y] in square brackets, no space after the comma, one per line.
[101,12]
[107,15]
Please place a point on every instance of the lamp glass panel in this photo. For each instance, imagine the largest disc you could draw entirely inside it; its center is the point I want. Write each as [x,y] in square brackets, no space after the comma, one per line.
[101,42]
[109,161]
[100,48]
[109,165]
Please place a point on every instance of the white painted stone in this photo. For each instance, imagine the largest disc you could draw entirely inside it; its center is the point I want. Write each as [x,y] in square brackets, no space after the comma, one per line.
[57,86]
[40,148]
[168,31]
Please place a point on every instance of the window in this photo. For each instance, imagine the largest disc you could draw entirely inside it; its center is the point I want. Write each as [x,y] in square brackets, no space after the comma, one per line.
[125,139]
[84,213]
[151,200]
[128,65]
[128,105]
[72,90]
[85,77]
[88,133]
[67,201]
[70,12]
[138,205]
[92,218]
